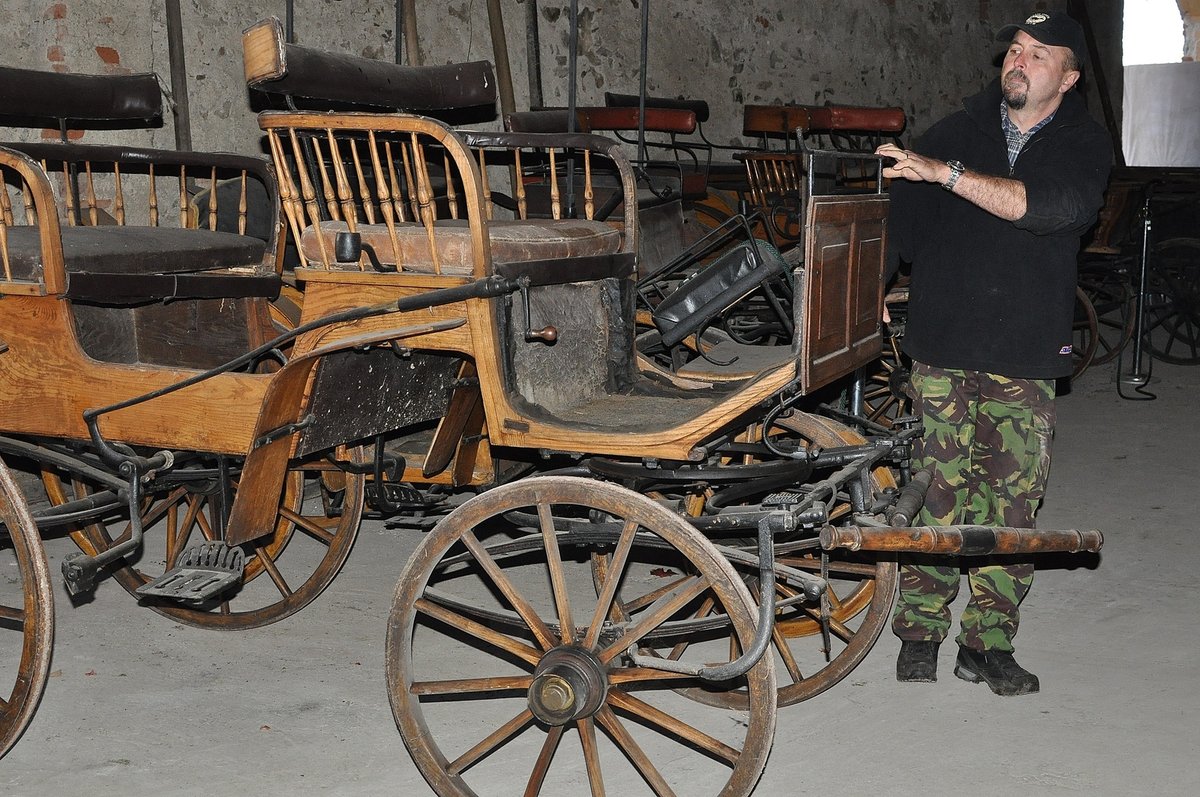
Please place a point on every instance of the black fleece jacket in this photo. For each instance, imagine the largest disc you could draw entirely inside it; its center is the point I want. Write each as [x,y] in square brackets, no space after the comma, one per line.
[988,294]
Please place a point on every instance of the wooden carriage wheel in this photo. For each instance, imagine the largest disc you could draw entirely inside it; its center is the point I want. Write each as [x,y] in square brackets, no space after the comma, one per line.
[316,523]
[1084,334]
[1111,297]
[861,592]
[501,649]
[1172,311]
[26,614]
[886,392]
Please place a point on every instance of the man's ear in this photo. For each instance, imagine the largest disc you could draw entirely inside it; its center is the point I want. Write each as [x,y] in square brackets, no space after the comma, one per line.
[1069,80]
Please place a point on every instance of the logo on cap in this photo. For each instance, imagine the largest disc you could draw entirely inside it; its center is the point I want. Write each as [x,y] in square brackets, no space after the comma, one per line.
[1036,18]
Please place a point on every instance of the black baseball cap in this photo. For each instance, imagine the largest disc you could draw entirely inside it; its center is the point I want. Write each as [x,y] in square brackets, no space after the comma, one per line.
[1053,28]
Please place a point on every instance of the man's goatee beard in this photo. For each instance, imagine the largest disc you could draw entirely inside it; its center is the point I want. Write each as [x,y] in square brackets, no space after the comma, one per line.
[1012,98]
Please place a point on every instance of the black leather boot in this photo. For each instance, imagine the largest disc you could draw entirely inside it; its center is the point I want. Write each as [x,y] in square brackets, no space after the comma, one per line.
[996,668]
[917,661]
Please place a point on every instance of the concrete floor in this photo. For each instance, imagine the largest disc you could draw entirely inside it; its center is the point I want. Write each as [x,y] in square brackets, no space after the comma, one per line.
[138,704]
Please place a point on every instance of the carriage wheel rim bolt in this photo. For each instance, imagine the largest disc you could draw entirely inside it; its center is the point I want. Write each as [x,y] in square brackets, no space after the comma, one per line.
[569,683]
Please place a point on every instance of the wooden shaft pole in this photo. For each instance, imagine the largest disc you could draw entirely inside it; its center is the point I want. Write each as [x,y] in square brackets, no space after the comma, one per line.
[960,540]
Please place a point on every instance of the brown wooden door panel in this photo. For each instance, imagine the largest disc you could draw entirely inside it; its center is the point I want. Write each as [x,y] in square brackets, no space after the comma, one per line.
[843,288]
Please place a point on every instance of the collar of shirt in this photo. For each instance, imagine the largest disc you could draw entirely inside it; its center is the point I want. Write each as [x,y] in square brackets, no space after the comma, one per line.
[1015,138]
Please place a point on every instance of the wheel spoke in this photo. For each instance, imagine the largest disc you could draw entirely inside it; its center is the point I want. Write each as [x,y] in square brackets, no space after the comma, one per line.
[544,635]
[480,631]
[655,616]
[591,755]
[268,565]
[307,525]
[706,608]
[638,675]
[666,723]
[616,571]
[785,653]
[490,743]
[635,754]
[12,614]
[642,601]
[465,686]
[542,765]
[557,579]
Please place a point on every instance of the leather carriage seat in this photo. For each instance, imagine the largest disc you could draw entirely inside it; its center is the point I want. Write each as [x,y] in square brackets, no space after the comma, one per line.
[112,263]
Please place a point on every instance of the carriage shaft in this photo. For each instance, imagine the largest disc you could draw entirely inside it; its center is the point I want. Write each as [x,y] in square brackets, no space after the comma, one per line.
[961,540]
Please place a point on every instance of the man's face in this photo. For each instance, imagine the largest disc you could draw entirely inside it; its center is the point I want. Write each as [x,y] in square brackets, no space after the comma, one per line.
[1035,74]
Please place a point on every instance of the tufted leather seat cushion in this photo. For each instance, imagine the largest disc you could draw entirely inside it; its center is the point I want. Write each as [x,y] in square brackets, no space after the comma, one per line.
[511,242]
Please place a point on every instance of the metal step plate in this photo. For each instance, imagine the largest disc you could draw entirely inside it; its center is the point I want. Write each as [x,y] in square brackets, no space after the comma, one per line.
[204,572]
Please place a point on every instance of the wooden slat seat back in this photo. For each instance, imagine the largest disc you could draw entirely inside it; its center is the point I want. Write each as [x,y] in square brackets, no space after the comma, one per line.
[374,175]
[423,197]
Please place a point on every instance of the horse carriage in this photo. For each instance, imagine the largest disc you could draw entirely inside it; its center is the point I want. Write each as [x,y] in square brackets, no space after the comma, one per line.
[659,554]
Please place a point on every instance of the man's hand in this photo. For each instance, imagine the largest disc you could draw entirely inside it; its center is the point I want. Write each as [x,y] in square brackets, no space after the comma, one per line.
[913,167]
[1000,196]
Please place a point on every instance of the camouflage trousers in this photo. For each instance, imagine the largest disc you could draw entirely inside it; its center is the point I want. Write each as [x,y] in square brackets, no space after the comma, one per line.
[988,438]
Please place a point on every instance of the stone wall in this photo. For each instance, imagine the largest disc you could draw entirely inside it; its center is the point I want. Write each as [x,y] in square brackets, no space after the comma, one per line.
[923,56]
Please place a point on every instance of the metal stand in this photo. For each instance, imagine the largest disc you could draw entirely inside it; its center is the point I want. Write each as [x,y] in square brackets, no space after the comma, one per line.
[1136,377]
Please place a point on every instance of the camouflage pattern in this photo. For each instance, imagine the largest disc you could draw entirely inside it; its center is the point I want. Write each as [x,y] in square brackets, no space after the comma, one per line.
[989,439]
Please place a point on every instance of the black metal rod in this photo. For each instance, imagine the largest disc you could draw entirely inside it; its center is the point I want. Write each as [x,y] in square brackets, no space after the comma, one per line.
[572,100]
[533,53]
[642,61]
[1139,314]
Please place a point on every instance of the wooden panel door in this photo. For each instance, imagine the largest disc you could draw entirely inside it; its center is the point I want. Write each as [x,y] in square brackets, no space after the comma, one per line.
[842,310]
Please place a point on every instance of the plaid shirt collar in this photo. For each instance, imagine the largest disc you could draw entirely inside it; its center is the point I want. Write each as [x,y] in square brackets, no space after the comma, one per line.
[1015,138]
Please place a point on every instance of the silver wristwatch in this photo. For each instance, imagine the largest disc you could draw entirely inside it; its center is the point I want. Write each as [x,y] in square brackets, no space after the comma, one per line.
[956,171]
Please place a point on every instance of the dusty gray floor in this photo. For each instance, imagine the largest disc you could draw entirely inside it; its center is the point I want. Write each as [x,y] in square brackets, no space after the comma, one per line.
[138,704]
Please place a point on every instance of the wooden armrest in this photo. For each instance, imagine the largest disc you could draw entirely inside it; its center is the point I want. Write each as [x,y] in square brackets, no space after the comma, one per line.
[273,65]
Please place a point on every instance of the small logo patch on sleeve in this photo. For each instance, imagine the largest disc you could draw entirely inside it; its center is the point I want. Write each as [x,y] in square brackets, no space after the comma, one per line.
[1066,349]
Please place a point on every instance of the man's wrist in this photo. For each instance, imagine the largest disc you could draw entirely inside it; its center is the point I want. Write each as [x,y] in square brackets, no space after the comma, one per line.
[954,171]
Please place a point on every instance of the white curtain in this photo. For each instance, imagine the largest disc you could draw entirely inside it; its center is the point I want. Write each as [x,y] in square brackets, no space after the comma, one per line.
[1161,117]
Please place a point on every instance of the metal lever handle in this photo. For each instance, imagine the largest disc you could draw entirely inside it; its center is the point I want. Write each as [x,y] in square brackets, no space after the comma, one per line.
[547,334]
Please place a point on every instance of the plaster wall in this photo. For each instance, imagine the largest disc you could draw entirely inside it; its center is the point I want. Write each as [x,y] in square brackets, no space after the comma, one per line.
[923,56]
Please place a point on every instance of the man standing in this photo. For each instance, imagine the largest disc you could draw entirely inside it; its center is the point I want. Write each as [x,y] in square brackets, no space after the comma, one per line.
[990,215]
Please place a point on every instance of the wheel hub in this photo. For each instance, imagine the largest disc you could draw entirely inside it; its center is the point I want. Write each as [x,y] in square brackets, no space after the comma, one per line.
[568,684]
